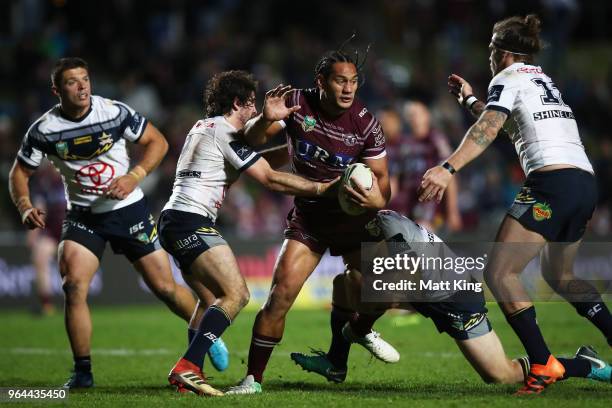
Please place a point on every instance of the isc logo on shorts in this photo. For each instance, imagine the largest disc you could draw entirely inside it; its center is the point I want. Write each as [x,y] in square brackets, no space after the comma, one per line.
[138,227]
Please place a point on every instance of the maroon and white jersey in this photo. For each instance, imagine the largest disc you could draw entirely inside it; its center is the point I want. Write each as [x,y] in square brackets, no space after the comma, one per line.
[321,147]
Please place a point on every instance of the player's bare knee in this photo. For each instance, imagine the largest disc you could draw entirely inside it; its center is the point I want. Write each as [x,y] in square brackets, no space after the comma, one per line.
[74,289]
[497,377]
[243,297]
[279,302]
[165,292]
[493,276]
[235,299]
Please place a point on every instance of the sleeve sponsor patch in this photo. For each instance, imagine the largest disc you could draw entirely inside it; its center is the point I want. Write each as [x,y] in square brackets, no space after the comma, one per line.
[242,150]
[379,136]
[26,149]
[495,93]
[136,122]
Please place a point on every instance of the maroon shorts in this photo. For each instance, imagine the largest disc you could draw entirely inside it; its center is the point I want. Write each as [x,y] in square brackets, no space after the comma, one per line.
[340,233]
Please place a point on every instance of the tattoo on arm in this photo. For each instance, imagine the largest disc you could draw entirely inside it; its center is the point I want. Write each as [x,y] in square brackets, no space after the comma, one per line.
[485,130]
[477,108]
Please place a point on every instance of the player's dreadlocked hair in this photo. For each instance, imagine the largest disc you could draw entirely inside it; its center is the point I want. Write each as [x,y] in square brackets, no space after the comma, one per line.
[324,66]
[65,64]
[518,35]
[223,88]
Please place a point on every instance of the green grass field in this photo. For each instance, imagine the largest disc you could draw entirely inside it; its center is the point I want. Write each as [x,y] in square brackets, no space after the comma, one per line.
[135,347]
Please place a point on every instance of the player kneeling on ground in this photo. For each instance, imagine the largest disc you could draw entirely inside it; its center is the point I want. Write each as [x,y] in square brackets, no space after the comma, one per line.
[211,160]
[466,322]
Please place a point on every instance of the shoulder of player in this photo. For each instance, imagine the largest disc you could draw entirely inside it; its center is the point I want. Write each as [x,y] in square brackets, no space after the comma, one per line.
[206,126]
[516,73]
[215,128]
[306,93]
[303,97]
[111,106]
[44,123]
[366,121]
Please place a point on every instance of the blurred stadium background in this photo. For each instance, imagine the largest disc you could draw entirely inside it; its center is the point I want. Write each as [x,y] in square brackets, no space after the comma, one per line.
[156,56]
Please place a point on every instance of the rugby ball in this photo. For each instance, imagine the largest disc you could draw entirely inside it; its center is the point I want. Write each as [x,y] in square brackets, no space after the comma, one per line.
[356,172]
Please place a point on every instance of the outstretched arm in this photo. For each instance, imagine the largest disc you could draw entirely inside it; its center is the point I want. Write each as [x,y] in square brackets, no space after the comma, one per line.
[465,95]
[477,139]
[288,183]
[265,125]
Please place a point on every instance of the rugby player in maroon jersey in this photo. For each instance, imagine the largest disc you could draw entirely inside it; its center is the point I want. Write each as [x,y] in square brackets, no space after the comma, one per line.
[327,129]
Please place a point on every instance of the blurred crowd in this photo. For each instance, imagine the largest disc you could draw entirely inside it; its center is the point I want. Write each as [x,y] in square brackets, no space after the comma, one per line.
[156,56]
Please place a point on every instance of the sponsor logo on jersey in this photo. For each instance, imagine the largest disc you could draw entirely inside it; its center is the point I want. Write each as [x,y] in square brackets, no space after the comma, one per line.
[64,153]
[136,121]
[363,112]
[349,140]
[206,123]
[243,151]
[495,93]
[189,174]
[26,149]
[105,139]
[530,70]
[541,211]
[550,114]
[379,136]
[82,140]
[94,177]
[524,196]
[312,152]
[62,149]
[309,123]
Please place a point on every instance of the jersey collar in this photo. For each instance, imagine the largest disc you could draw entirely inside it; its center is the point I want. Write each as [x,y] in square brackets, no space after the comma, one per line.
[63,114]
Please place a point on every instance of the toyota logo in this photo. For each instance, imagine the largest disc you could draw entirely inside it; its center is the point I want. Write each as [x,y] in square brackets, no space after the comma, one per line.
[95,174]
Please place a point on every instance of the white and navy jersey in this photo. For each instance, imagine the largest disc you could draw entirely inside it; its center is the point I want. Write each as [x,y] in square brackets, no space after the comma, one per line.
[212,158]
[541,126]
[391,226]
[89,152]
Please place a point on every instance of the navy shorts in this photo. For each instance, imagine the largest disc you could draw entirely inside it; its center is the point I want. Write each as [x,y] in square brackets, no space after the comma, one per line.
[130,230]
[556,204]
[186,235]
[462,319]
